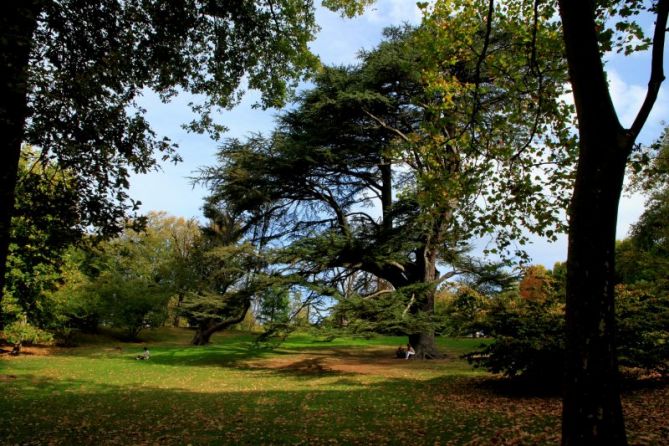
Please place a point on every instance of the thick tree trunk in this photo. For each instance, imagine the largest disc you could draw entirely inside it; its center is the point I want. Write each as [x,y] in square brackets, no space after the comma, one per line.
[18,21]
[424,342]
[203,335]
[592,412]
[425,345]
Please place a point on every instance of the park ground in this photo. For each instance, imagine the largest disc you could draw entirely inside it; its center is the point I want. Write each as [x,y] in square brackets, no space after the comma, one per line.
[308,391]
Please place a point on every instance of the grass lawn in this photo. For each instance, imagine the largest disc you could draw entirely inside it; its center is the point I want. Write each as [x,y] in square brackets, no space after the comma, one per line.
[348,391]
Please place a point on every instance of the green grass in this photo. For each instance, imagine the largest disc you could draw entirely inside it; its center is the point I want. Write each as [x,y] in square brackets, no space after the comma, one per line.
[347,391]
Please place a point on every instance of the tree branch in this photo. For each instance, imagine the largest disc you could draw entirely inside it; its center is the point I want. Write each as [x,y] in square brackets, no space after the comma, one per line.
[386,126]
[656,73]
[378,293]
[479,62]
[411,302]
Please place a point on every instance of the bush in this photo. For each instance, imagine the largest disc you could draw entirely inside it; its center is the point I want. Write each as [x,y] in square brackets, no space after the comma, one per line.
[463,311]
[20,332]
[643,328]
[529,338]
[132,305]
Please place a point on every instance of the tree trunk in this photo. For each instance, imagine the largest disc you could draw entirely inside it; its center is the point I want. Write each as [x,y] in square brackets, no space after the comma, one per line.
[203,335]
[424,342]
[425,346]
[177,315]
[592,412]
[387,193]
[18,21]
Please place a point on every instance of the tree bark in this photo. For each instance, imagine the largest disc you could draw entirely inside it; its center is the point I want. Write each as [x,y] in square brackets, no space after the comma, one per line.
[424,341]
[18,21]
[387,193]
[592,412]
[425,346]
[203,334]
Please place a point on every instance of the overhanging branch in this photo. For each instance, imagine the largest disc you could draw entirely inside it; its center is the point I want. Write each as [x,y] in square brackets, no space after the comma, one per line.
[656,73]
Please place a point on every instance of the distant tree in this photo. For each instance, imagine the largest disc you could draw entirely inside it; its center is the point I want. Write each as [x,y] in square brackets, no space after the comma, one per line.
[274,306]
[178,269]
[463,310]
[642,268]
[132,276]
[536,284]
[528,338]
[130,304]
[642,309]
[226,268]
[528,329]
[74,305]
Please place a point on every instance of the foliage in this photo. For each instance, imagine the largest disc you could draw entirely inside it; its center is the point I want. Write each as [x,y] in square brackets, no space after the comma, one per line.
[371,136]
[528,338]
[73,305]
[43,227]
[528,327]
[20,331]
[643,327]
[498,71]
[274,305]
[225,279]
[642,269]
[130,279]
[131,303]
[536,284]
[75,72]
[92,84]
[463,310]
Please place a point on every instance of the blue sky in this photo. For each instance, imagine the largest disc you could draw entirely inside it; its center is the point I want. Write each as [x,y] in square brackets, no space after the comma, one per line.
[338,42]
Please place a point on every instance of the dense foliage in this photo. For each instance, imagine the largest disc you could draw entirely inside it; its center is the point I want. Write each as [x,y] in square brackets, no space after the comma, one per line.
[225,272]
[74,72]
[528,329]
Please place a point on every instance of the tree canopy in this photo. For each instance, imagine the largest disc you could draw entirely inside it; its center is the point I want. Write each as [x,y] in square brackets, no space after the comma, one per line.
[377,170]
[73,72]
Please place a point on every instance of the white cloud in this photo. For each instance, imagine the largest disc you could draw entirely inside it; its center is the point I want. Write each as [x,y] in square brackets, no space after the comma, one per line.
[627,98]
[394,12]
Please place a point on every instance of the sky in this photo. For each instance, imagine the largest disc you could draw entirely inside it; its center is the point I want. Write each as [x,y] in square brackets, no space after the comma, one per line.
[339,41]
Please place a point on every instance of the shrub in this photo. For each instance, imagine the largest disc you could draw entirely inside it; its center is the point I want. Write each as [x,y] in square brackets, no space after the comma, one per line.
[20,332]
[528,338]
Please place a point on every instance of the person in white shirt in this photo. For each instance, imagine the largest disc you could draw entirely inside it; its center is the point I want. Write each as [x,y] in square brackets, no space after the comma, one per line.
[145,355]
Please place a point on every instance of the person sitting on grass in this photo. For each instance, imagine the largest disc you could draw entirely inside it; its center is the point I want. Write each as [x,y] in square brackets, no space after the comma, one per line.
[400,352]
[410,351]
[145,355]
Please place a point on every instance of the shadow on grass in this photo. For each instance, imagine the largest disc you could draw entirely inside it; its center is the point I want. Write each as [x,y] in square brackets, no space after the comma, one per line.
[395,411]
[520,388]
